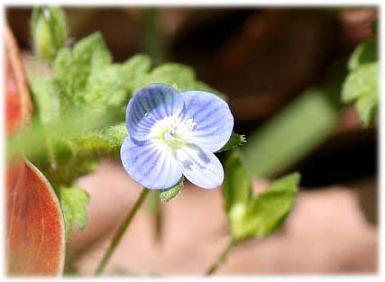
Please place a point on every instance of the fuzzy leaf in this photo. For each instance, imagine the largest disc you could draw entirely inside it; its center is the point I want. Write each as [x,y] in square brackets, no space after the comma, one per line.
[137,67]
[73,69]
[73,202]
[103,142]
[81,154]
[46,97]
[86,76]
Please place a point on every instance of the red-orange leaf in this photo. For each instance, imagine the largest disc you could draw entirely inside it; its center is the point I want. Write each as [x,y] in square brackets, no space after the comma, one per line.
[35,226]
[18,102]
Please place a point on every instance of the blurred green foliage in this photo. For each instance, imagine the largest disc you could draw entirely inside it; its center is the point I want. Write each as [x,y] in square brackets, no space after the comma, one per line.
[73,201]
[294,132]
[311,118]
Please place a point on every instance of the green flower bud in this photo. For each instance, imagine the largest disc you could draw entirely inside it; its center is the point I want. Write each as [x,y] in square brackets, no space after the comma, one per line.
[49,31]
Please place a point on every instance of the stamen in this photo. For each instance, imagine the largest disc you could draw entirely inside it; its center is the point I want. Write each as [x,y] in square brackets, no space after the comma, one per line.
[191,124]
[169,132]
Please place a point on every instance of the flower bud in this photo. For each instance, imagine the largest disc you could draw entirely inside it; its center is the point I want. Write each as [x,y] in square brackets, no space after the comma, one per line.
[49,31]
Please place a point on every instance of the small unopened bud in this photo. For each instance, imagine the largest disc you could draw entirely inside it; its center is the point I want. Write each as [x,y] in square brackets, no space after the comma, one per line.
[49,31]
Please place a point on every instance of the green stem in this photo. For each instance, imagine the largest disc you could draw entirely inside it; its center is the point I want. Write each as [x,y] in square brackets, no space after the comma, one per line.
[154,45]
[159,224]
[153,37]
[221,259]
[121,231]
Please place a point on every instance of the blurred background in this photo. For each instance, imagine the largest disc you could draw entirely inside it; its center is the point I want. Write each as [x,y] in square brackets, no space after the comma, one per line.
[281,70]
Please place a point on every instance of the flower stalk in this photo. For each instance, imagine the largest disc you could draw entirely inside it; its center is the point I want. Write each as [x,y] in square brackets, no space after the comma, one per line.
[121,231]
[221,259]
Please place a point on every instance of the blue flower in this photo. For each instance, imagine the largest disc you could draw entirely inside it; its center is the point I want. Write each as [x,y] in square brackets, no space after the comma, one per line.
[172,134]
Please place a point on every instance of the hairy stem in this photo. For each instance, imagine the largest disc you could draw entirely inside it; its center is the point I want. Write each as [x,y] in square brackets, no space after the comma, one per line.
[221,259]
[121,231]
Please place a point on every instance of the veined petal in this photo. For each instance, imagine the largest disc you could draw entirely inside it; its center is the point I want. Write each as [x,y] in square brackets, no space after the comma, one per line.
[211,117]
[150,104]
[200,166]
[148,165]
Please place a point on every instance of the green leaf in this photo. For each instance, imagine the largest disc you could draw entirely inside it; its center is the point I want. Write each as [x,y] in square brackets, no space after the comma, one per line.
[236,188]
[234,142]
[365,53]
[361,86]
[367,108]
[169,194]
[49,31]
[267,212]
[73,202]
[362,83]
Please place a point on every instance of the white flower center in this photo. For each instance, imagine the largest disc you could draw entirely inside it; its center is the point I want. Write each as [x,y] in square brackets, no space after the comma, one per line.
[172,132]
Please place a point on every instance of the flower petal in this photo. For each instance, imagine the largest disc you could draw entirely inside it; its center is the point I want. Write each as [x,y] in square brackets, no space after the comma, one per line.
[148,165]
[150,104]
[213,119]
[200,166]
